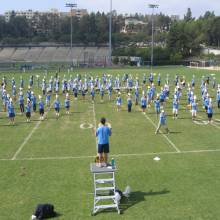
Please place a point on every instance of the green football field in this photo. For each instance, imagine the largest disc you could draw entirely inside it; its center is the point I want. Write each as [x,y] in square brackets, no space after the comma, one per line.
[48,161]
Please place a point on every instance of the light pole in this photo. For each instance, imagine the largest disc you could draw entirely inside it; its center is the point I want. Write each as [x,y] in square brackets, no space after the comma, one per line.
[71,6]
[152,6]
[110,35]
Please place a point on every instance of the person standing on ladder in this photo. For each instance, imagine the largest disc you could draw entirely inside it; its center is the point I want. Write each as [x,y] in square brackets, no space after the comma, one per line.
[103,132]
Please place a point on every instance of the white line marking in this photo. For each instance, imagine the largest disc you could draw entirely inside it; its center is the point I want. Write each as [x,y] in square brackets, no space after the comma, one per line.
[215,125]
[116,155]
[94,120]
[212,123]
[86,126]
[28,138]
[172,144]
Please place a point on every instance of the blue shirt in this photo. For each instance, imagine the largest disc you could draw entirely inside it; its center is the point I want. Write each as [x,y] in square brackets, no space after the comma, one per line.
[57,104]
[41,105]
[129,101]
[162,118]
[67,103]
[28,108]
[118,101]
[34,100]
[143,102]
[218,96]
[194,106]
[103,134]
[11,109]
[21,100]
[162,96]
[92,92]
[175,105]
[157,104]
[209,110]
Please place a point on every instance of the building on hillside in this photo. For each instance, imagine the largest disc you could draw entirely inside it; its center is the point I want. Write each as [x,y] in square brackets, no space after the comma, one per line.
[30,14]
[79,13]
[175,17]
[132,25]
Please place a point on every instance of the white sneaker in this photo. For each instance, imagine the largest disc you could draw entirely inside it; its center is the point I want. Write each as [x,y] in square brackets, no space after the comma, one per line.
[127,191]
[33,217]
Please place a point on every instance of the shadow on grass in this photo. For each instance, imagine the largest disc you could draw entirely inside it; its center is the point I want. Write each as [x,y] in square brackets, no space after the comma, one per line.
[175,132]
[137,197]
[56,216]
[134,198]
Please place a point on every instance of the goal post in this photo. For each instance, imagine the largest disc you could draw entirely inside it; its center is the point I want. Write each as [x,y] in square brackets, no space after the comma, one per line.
[194,64]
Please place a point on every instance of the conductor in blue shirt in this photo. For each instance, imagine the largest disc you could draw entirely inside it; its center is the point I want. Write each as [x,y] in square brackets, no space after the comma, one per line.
[103,132]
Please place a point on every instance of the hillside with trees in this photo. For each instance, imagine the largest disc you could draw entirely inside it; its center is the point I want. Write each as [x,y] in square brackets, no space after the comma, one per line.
[174,39]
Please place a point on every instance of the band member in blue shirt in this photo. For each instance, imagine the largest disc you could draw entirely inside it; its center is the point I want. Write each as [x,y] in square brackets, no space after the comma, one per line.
[41,108]
[67,104]
[162,122]
[57,106]
[11,111]
[28,110]
[129,102]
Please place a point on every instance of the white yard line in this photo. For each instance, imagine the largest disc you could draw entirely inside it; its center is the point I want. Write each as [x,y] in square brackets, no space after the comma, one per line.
[94,121]
[27,138]
[170,142]
[216,126]
[212,123]
[116,155]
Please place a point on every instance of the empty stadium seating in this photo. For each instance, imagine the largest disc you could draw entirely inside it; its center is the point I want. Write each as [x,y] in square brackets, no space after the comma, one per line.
[54,54]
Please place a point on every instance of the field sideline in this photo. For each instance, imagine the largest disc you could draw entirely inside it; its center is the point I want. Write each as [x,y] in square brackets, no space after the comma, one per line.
[48,161]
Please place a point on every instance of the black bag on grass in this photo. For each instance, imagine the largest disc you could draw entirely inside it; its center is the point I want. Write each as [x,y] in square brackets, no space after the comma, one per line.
[44,211]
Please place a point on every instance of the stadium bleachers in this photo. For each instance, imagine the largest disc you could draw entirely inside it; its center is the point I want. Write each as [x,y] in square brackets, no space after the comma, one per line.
[61,54]
[33,54]
[47,54]
[19,54]
[54,54]
[76,54]
[6,54]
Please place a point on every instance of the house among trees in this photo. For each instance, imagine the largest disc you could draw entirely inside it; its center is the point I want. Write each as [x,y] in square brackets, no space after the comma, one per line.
[133,25]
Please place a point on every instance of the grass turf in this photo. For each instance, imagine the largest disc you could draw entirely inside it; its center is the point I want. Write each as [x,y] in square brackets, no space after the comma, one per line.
[49,168]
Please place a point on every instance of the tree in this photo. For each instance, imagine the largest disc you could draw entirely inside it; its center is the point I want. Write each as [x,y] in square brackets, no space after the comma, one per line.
[188,15]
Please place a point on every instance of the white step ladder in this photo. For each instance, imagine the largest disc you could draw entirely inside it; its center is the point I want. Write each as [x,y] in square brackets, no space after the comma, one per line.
[104,188]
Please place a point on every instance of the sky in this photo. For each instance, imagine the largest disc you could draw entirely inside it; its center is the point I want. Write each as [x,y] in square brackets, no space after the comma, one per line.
[169,7]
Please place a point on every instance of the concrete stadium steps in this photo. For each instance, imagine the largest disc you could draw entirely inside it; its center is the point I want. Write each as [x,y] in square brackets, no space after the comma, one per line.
[19,54]
[102,55]
[47,54]
[33,54]
[54,54]
[90,54]
[102,51]
[61,54]
[76,54]
[6,54]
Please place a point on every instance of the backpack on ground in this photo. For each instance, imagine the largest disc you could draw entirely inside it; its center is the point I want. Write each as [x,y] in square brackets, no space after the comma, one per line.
[44,211]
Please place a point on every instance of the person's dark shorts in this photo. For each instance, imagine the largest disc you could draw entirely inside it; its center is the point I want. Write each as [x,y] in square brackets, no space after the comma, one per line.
[34,107]
[103,148]
[206,107]
[11,115]
[161,100]
[57,109]
[41,111]
[209,115]
[143,106]
[28,114]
